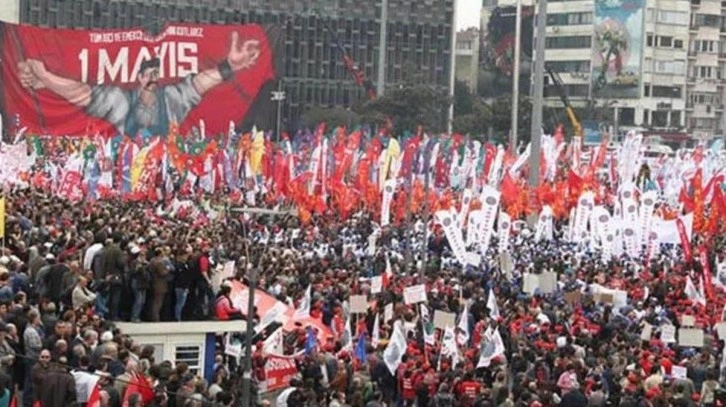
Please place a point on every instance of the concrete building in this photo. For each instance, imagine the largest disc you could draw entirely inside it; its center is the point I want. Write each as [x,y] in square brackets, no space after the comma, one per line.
[467,57]
[418,35]
[660,103]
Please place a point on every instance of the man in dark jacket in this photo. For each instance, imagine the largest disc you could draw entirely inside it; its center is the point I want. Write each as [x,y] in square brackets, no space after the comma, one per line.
[58,388]
[574,398]
[113,269]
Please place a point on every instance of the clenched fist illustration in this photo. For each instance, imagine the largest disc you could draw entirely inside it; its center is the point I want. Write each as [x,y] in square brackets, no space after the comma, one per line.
[242,56]
[32,73]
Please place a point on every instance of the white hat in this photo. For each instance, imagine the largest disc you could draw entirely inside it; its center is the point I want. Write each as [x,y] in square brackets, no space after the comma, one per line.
[106,336]
[135,249]
[49,256]
[4,260]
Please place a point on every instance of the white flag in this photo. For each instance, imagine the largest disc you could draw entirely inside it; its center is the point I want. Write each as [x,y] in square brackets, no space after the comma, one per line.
[273,344]
[427,327]
[463,336]
[692,293]
[449,348]
[396,348]
[304,310]
[376,335]
[492,305]
[492,346]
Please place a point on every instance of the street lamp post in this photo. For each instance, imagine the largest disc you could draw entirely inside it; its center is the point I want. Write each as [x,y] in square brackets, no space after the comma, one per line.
[279,97]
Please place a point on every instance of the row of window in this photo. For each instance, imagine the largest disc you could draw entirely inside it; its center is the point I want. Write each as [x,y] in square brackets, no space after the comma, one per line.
[582,18]
[675,67]
[663,41]
[568,42]
[704,98]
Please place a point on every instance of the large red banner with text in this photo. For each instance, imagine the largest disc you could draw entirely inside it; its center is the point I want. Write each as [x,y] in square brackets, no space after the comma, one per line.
[70,82]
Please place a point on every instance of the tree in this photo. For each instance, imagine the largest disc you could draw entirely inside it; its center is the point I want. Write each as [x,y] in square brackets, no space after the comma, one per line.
[409,105]
[477,123]
[331,116]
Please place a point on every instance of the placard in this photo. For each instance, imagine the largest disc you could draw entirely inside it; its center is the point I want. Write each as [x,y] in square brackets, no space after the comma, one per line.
[679,372]
[647,332]
[376,284]
[668,334]
[530,284]
[443,319]
[388,313]
[690,337]
[604,298]
[547,282]
[573,297]
[721,330]
[358,304]
[414,294]
[505,263]
[688,320]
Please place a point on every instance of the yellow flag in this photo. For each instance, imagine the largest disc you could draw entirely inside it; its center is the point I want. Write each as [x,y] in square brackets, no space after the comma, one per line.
[2,218]
[138,166]
[258,149]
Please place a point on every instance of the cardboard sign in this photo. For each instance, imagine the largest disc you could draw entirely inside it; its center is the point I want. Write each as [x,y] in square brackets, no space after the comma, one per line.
[690,338]
[358,304]
[604,298]
[547,282]
[388,313]
[443,319]
[647,332]
[376,284]
[679,372]
[573,297]
[414,294]
[505,263]
[668,334]
[531,283]
[687,320]
[721,330]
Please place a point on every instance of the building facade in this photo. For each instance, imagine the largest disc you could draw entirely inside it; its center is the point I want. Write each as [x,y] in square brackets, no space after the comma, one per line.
[682,74]
[418,36]
[467,58]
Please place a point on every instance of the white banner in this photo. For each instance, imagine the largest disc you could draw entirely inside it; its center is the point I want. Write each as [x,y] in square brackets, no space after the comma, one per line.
[465,202]
[544,225]
[647,206]
[490,205]
[388,188]
[503,228]
[473,227]
[630,223]
[582,215]
[496,167]
[453,235]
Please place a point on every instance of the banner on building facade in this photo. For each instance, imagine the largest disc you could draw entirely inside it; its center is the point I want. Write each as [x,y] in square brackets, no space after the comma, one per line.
[617,48]
[76,82]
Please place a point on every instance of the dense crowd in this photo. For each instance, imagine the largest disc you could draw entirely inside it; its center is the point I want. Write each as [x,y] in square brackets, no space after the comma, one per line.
[69,270]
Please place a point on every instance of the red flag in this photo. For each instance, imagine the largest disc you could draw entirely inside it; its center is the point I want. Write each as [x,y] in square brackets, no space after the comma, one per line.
[139,384]
[707,276]
[684,240]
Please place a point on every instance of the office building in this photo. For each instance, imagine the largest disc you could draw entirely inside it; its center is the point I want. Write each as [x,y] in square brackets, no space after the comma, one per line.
[467,57]
[418,36]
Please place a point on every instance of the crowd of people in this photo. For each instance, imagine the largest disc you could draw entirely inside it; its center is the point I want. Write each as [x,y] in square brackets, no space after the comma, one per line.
[69,270]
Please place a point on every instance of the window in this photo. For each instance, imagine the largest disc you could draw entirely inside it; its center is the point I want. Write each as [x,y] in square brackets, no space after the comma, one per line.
[673,92]
[666,41]
[650,40]
[672,17]
[678,44]
[646,90]
[569,66]
[568,42]
[626,116]
[708,20]
[670,67]
[191,355]
[569,18]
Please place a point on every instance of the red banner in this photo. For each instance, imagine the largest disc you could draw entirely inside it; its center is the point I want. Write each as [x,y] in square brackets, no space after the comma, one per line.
[685,244]
[73,82]
[707,276]
[279,370]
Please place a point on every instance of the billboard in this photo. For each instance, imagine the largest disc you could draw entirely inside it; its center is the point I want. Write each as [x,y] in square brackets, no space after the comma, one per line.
[617,48]
[496,52]
[71,82]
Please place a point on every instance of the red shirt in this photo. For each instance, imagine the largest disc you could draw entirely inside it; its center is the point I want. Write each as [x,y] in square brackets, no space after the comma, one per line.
[223,308]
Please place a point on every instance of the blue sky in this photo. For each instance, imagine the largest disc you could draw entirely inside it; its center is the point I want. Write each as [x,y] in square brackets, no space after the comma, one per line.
[468,13]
